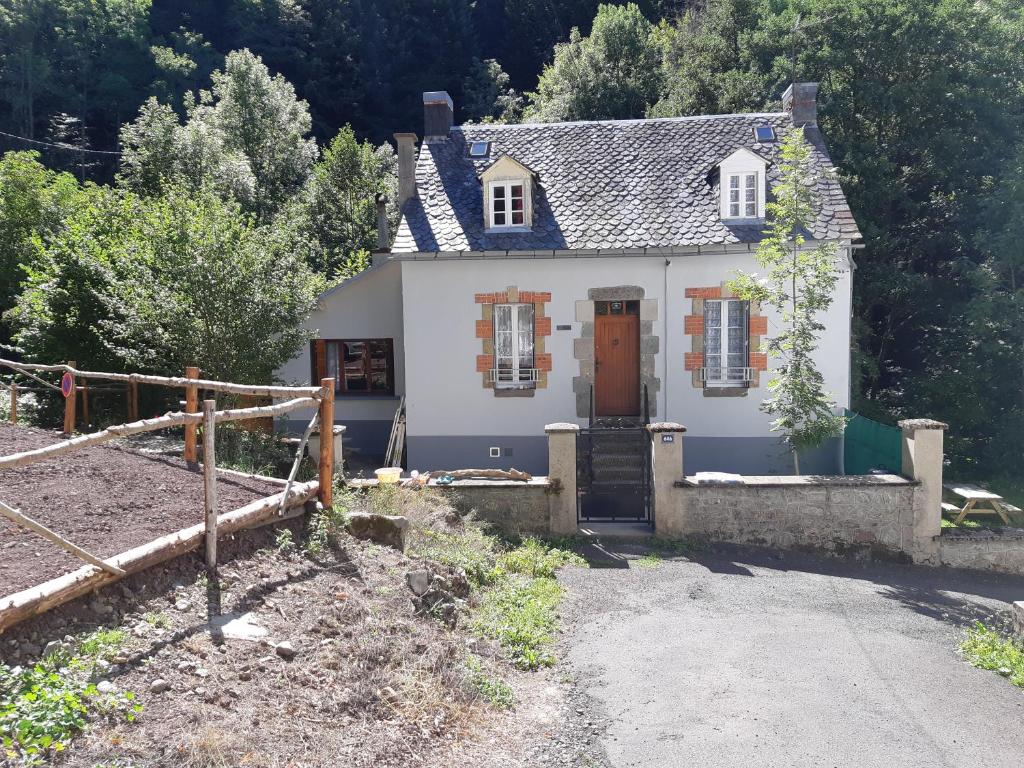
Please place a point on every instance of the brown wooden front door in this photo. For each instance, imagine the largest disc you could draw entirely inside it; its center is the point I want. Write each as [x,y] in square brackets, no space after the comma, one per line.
[617,365]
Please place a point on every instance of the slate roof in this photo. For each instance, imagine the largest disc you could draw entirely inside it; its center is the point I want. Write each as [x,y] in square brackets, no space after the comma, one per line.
[604,185]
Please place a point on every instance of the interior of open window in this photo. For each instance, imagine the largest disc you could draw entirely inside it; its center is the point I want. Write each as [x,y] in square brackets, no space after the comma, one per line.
[359,366]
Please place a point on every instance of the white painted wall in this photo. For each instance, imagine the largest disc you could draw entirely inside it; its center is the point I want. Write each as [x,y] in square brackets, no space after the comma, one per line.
[445,395]
[367,306]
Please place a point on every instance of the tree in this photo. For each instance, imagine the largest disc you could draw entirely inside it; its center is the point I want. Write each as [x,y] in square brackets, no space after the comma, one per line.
[158,283]
[799,284]
[334,220]
[247,139]
[488,96]
[613,74]
[34,202]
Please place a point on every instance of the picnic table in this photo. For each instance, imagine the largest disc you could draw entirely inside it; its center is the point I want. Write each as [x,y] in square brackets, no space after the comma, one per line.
[971,496]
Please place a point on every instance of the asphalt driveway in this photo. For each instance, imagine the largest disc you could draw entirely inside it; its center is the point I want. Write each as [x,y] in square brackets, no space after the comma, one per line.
[739,657]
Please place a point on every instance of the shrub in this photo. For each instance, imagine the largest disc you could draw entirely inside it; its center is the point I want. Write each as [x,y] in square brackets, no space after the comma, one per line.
[536,559]
[986,648]
[521,614]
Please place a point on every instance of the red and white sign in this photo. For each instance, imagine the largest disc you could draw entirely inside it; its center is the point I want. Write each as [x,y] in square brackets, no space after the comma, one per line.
[67,384]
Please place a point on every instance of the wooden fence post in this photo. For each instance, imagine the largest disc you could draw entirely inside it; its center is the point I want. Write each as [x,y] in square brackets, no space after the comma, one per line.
[85,404]
[191,406]
[327,443]
[14,403]
[210,482]
[69,404]
[131,393]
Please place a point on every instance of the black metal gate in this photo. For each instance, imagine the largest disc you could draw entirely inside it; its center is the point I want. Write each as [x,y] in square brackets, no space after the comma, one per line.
[613,474]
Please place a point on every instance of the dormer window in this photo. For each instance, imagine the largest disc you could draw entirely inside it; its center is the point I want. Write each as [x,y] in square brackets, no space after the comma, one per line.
[743,183]
[507,204]
[508,195]
[743,188]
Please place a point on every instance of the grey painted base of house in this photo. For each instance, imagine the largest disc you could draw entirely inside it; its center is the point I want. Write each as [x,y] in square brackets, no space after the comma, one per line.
[529,454]
[742,455]
[370,438]
[757,456]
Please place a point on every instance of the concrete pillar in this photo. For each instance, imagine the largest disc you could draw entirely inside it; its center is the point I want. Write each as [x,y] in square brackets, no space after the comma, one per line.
[667,468]
[562,475]
[922,461]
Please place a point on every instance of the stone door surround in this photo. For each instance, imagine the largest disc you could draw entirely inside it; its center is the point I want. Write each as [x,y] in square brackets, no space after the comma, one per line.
[583,345]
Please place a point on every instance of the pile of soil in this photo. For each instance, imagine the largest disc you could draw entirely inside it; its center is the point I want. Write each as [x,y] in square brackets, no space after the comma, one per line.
[104,499]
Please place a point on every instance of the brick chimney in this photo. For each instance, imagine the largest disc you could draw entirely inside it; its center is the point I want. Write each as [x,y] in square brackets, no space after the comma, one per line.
[438,114]
[406,166]
[801,101]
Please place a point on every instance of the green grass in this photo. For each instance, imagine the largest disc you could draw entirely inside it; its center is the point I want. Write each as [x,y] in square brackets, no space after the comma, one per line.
[536,559]
[986,648]
[471,550]
[101,644]
[521,613]
[650,560]
[493,690]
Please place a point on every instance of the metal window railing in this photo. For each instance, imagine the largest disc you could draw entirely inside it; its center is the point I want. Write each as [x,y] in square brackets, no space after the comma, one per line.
[727,375]
[512,377]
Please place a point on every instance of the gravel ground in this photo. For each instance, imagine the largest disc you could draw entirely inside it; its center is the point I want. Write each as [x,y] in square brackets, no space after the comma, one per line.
[739,657]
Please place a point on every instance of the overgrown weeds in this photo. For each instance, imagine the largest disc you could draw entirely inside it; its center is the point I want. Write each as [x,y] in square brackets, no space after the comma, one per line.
[258,453]
[44,706]
[986,648]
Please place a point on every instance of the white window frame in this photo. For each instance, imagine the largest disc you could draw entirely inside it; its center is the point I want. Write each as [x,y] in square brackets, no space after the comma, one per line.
[727,376]
[506,186]
[515,376]
[741,168]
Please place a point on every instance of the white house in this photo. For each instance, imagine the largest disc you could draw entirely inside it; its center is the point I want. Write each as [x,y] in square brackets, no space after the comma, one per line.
[564,272]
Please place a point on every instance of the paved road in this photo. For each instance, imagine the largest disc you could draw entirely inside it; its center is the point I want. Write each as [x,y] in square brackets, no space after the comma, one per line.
[752,658]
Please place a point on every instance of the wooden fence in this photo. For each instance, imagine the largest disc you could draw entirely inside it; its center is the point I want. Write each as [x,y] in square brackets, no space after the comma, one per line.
[98,572]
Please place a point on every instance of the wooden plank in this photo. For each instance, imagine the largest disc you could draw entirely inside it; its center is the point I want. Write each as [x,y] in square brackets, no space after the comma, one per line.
[326,464]
[37,600]
[972,492]
[14,403]
[148,425]
[191,406]
[172,381]
[69,405]
[27,522]
[210,483]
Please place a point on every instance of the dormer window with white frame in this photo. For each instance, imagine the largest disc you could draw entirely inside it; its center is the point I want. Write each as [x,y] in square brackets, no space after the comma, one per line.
[508,196]
[743,185]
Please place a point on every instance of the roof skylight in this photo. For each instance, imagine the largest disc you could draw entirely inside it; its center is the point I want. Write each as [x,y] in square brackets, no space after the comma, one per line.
[479,148]
[764,133]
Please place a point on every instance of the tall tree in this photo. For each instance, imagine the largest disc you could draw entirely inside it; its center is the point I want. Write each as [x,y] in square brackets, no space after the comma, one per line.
[799,284]
[612,74]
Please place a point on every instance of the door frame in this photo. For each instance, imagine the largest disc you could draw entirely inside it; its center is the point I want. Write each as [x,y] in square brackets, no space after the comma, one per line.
[613,308]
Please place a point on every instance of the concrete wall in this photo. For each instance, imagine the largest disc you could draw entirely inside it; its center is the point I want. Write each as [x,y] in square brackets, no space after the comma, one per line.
[453,420]
[369,306]
[832,513]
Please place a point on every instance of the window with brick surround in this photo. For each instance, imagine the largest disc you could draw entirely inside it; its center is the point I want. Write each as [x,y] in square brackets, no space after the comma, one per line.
[726,343]
[359,367]
[514,345]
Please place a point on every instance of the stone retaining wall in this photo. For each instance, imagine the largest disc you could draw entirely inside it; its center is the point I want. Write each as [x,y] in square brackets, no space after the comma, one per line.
[1001,551]
[514,507]
[872,512]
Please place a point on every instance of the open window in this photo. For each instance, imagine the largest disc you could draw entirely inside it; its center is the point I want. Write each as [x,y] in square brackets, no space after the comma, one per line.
[743,183]
[726,345]
[359,367]
[514,347]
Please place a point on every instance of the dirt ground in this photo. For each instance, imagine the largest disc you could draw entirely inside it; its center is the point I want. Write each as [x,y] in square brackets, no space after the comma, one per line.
[371,684]
[105,499]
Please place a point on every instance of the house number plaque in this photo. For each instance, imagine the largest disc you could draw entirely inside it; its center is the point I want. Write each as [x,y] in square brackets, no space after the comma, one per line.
[668,438]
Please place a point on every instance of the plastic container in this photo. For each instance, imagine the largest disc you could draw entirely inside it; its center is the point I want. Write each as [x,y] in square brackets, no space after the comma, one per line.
[388,475]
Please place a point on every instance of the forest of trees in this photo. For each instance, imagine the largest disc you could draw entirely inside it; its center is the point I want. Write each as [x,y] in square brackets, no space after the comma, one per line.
[257,129]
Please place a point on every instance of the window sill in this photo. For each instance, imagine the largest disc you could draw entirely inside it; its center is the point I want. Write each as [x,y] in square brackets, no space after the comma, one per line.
[514,391]
[506,230]
[716,391]
[744,221]
[351,396]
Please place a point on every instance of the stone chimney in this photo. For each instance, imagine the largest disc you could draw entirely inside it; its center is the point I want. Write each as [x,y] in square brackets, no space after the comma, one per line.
[801,101]
[383,237]
[406,166]
[438,114]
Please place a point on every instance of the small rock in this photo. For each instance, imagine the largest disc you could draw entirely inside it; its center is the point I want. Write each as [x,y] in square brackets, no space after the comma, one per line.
[159,686]
[182,605]
[54,646]
[105,686]
[184,666]
[285,650]
[245,676]
[388,530]
[418,581]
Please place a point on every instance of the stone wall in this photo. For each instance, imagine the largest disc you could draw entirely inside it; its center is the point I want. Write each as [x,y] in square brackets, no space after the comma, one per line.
[514,507]
[872,512]
[1001,551]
